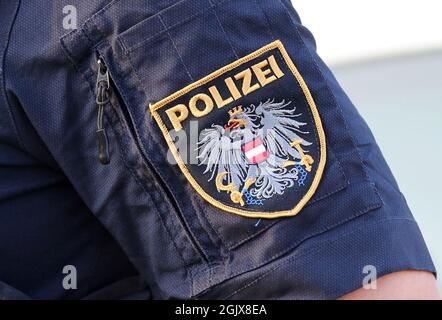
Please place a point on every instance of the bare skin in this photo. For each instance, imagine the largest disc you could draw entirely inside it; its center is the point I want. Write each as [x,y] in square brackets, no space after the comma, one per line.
[403,285]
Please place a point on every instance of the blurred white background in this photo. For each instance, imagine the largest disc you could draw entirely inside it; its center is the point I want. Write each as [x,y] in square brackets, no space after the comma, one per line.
[347,29]
[388,57]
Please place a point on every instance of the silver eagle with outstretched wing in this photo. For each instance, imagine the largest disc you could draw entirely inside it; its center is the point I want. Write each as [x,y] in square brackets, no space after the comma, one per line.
[258,151]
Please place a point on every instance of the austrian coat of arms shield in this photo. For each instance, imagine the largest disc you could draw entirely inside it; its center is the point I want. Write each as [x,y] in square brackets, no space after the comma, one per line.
[260,147]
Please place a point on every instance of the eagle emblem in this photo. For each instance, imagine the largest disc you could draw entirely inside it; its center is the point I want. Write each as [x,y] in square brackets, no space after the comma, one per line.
[260,152]
[247,137]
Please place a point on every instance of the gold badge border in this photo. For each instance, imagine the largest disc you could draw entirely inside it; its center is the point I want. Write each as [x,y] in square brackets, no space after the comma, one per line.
[251,214]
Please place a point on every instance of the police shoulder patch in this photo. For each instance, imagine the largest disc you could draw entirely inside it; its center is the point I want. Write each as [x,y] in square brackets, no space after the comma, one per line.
[251,133]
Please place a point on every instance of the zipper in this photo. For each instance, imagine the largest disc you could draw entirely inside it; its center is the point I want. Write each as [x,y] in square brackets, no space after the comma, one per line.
[103,90]
[102,93]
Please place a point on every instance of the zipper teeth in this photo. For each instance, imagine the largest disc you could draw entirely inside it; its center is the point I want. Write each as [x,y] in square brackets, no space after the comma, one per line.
[158,179]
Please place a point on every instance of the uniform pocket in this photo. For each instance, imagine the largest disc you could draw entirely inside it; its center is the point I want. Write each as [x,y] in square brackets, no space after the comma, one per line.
[187,50]
[175,48]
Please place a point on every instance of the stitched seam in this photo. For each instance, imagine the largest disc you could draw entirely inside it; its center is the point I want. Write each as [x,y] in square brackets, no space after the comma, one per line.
[175,47]
[269,28]
[213,6]
[131,64]
[309,236]
[3,80]
[122,44]
[317,247]
[209,221]
[189,18]
[316,134]
[147,192]
[139,182]
[166,30]
[193,16]
[124,95]
[100,12]
[328,228]
[264,275]
[137,137]
[202,249]
[140,84]
[142,161]
[257,233]
[314,199]
[85,25]
[312,235]
[335,102]
[85,32]
[328,194]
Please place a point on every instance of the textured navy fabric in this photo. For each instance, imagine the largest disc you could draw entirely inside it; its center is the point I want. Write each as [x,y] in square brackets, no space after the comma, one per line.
[135,228]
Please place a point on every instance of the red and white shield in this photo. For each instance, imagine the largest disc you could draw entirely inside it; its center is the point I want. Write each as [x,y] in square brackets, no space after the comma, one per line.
[255,151]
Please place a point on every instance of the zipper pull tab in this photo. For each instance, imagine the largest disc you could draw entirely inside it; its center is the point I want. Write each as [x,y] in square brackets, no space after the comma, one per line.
[102,92]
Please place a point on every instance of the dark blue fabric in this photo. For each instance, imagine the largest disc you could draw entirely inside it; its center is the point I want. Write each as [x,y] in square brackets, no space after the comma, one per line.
[138,217]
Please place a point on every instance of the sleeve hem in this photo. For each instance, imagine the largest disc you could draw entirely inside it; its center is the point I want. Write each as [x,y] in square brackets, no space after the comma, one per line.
[332,266]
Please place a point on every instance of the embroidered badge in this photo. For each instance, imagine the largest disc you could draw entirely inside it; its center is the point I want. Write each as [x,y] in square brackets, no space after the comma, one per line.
[253,139]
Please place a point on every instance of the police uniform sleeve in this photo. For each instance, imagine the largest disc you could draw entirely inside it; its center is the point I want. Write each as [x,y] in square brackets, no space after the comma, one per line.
[218,150]
[382,238]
